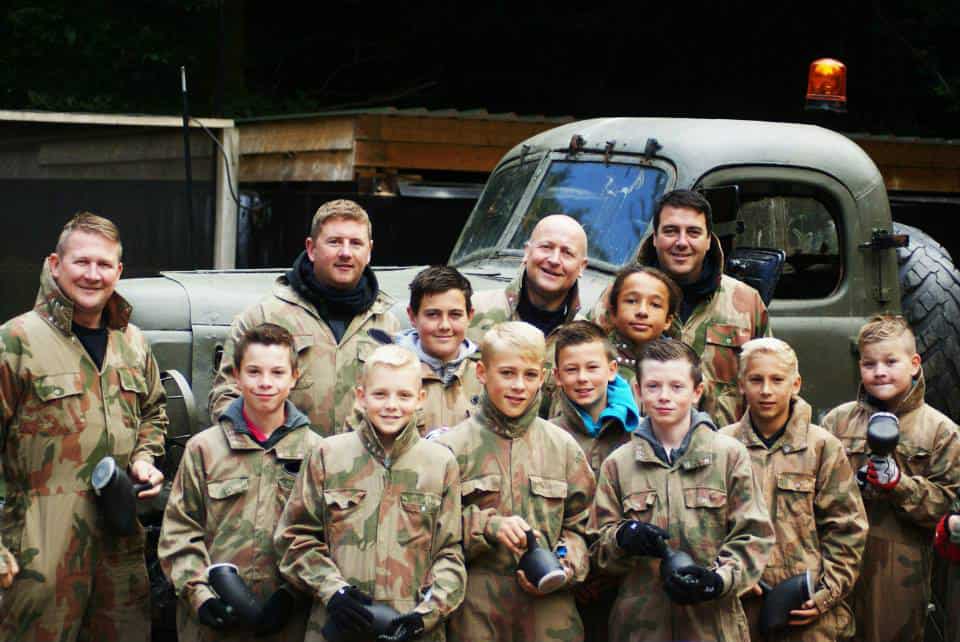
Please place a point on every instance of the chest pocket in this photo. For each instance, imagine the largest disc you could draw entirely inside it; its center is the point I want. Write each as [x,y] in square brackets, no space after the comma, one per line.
[55,408]
[483,492]
[546,506]
[417,517]
[916,459]
[795,492]
[722,350]
[856,450]
[287,471]
[639,505]
[225,500]
[342,508]
[303,343]
[133,387]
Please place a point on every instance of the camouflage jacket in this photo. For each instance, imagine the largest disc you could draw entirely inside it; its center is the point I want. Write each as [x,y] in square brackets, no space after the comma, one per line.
[596,449]
[448,405]
[223,507]
[811,495]
[328,370]
[710,503]
[59,415]
[389,525]
[716,330]
[496,306]
[898,555]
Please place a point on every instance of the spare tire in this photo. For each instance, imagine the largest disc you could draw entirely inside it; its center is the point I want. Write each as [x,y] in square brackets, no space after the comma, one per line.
[930,299]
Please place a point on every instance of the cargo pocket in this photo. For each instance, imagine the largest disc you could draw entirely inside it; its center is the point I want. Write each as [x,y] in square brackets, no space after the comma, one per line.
[547,497]
[709,510]
[639,505]
[55,408]
[223,494]
[417,517]
[916,459]
[482,492]
[341,508]
[795,494]
[133,387]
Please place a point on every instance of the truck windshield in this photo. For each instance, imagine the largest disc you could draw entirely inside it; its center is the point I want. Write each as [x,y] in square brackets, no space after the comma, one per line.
[492,213]
[613,202]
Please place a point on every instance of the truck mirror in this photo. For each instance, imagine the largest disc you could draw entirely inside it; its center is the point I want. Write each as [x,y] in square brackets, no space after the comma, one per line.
[758,267]
[181,411]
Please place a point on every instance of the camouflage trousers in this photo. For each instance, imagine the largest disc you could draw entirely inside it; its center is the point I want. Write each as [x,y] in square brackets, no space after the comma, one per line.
[496,608]
[833,626]
[75,583]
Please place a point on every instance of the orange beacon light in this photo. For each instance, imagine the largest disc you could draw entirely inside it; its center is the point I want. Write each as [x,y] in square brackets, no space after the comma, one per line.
[827,85]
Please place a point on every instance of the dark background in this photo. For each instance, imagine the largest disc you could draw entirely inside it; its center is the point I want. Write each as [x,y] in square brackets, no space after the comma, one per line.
[717,59]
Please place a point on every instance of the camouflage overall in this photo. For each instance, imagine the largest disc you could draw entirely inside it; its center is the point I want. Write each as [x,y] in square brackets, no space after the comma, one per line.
[448,405]
[821,526]
[59,416]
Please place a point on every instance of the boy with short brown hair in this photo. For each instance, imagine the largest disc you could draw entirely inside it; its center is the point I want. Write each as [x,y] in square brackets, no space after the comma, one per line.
[375,516]
[810,492]
[678,483]
[520,473]
[908,493]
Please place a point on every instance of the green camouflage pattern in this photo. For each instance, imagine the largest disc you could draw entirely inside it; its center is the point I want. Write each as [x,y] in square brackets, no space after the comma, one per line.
[447,405]
[712,506]
[811,494]
[59,416]
[224,505]
[890,599]
[534,469]
[328,371]
[496,306]
[716,330]
[389,525]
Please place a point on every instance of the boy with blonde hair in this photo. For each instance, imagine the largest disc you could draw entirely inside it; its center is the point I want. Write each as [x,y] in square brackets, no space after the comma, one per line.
[375,516]
[678,483]
[810,493]
[520,473]
[908,493]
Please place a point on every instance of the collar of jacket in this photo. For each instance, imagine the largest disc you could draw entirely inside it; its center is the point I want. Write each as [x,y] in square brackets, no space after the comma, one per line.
[693,455]
[794,437]
[626,356]
[512,292]
[648,256]
[912,401]
[237,432]
[429,374]
[371,440]
[57,309]
[572,416]
[285,292]
[433,369]
[507,427]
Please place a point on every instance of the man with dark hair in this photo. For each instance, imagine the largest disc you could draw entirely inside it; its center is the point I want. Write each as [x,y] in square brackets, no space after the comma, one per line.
[440,312]
[78,382]
[718,313]
[328,301]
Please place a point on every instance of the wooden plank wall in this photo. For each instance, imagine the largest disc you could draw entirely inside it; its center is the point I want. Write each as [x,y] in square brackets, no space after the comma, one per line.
[916,166]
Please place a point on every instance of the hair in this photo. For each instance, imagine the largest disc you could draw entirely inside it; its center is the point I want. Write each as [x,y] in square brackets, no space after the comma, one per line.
[776,348]
[515,337]
[684,198]
[340,208]
[673,290]
[887,326]
[438,279]
[393,356]
[663,349]
[577,333]
[91,224]
[265,334]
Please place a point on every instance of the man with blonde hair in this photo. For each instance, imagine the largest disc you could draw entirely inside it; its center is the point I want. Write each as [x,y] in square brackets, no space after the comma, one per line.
[328,301]
[908,493]
[78,382]
[809,490]
[520,474]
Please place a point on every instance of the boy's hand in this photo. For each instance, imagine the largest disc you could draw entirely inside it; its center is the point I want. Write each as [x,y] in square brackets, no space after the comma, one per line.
[883,472]
[8,568]
[642,538]
[533,590]
[693,584]
[754,590]
[512,533]
[216,614]
[143,472]
[408,626]
[804,616]
[346,609]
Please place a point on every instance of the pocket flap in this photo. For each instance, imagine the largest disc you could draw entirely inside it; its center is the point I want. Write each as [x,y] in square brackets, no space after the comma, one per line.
[485,484]
[727,335]
[303,341]
[796,482]
[132,380]
[704,498]
[343,498]
[415,502]
[57,386]
[640,501]
[909,451]
[853,446]
[224,488]
[552,488]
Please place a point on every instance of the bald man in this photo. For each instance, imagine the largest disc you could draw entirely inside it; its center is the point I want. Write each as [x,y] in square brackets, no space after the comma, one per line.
[545,292]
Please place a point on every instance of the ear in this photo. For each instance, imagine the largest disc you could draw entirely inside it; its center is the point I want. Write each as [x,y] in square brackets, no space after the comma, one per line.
[119,269]
[423,395]
[411,316]
[470,313]
[311,248]
[583,266]
[614,369]
[796,387]
[915,362]
[361,398]
[481,372]
[697,393]
[54,262]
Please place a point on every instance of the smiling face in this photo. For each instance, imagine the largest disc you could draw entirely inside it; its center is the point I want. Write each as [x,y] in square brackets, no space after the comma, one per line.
[87,272]
[442,323]
[340,252]
[511,380]
[668,392]
[389,396]
[887,369]
[768,385]
[554,258]
[643,308]
[265,379]
[583,372]
[681,242]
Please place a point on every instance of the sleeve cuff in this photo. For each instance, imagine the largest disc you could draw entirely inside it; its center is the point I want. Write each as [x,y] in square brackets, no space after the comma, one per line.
[824,600]
[199,595]
[726,574]
[430,613]
[143,456]
[905,489]
[325,596]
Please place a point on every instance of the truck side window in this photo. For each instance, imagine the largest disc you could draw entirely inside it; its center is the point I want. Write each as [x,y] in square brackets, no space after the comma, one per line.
[494,209]
[802,227]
